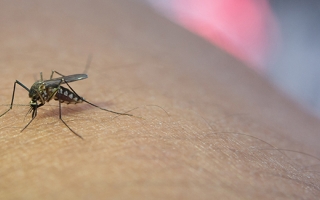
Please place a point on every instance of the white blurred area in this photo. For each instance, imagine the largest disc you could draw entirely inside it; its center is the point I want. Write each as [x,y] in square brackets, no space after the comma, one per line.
[295,65]
[279,39]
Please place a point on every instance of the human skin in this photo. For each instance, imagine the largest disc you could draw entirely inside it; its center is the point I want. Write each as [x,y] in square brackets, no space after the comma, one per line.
[204,125]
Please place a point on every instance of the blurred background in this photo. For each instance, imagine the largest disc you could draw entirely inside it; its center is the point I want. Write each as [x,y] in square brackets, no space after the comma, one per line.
[278,39]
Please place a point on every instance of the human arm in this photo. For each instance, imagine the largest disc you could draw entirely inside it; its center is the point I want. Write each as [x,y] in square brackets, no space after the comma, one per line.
[205,117]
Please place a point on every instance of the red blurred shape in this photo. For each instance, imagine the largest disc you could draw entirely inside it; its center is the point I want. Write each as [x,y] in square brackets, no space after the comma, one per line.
[241,27]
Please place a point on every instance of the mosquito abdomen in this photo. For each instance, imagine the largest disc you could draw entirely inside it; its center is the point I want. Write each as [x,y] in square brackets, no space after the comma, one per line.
[64,95]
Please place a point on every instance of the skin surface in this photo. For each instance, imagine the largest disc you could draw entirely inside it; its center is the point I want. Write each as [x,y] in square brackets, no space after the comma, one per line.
[205,126]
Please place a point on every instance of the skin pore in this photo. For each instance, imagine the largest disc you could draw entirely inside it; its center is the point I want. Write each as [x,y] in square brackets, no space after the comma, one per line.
[204,125]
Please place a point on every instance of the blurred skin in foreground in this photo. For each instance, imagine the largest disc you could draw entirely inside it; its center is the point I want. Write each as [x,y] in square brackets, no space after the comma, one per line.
[205,126]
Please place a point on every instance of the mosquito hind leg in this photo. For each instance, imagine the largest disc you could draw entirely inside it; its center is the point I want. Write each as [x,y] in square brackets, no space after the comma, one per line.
[14,89]
[85,69]
[88,64]
[118,113]
[53,71]
[60,117]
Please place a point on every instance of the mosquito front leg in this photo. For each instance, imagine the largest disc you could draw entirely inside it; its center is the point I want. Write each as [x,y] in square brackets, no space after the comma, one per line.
[14,89]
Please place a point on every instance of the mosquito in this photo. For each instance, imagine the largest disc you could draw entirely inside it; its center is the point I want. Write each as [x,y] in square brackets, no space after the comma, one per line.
[43,91]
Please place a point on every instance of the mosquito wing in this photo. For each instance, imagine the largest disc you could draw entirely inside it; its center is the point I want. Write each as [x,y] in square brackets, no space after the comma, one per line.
[71,78]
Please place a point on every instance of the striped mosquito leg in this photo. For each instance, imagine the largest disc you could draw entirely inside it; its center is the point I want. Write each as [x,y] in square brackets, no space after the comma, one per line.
[118,113]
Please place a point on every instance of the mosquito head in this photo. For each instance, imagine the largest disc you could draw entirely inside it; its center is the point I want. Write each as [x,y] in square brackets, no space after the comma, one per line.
[33,107]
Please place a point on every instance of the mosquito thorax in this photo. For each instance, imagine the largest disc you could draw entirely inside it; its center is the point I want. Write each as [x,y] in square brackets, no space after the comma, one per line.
[35,89]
